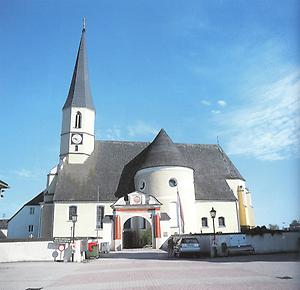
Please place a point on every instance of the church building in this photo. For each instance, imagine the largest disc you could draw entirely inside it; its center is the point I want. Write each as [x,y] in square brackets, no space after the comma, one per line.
[133,194]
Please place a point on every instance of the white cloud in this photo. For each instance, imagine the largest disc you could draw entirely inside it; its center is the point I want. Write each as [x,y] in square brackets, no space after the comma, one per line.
[215,112]
[205,103]
[141,129]
[24,173]
[268,128]
[113,133]
[222,103]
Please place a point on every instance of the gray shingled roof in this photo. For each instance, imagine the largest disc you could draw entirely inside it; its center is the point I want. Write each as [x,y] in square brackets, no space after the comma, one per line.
[80,92]
[161,152]
[103,171]
[35,201]
[4,224]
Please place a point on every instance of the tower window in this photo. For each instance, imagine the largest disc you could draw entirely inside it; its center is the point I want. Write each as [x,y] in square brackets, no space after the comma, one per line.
[30,228]
[72,211]
[221,221]
[204,222]
[78,120]
[31,210]
[76,148]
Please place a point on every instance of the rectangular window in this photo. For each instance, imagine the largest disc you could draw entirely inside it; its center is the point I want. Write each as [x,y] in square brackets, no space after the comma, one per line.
[204,222]
[31,210]
[100,216]
[221,221]
[72,211]
[30,228]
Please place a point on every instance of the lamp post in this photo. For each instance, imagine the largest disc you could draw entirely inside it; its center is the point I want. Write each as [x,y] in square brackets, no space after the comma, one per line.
[74,220]
[213,246]
[213,215]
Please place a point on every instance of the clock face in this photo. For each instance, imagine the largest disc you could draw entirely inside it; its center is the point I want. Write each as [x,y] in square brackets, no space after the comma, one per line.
[76,139]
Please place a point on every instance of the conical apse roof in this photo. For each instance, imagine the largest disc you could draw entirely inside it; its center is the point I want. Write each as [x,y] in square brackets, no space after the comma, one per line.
[161,152]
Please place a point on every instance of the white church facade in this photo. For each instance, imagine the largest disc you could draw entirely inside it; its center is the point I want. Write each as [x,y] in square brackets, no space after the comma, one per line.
[123,191]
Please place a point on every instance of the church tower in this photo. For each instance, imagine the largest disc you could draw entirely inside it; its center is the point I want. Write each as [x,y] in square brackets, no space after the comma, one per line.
[77,132]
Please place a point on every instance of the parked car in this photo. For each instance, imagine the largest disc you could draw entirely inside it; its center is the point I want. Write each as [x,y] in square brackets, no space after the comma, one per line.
[186,246]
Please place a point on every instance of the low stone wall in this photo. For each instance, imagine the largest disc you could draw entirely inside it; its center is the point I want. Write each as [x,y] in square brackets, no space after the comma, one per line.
[274,242]
[263,243]
[25,251]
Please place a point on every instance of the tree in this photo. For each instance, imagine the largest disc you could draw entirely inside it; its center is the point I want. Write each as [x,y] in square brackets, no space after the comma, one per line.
[295,225]
[273,227]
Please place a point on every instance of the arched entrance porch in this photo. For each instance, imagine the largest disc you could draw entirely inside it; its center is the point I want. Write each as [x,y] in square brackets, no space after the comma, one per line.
[137,207]
[137,233]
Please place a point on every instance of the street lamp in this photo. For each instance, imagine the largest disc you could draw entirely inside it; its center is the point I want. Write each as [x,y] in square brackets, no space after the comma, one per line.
[74,220]
[213,215]
[213,248]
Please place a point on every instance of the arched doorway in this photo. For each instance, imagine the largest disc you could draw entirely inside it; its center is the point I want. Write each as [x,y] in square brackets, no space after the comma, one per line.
[137,233]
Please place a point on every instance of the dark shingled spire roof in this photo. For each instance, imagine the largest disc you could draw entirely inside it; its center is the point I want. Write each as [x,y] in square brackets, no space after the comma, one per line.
[80,92]
[161,152]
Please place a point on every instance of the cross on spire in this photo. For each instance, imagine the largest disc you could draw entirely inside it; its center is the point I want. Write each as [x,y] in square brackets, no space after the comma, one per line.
[83,23]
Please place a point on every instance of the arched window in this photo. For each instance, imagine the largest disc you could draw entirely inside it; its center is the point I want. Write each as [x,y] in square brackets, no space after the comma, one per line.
[221,221]
[72,211]
[78,120]
[204,222]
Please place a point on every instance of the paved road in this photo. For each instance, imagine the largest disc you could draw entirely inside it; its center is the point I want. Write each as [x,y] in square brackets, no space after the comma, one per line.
[151,269]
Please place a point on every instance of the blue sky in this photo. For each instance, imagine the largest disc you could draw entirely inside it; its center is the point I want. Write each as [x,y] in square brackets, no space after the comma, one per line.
[198,69]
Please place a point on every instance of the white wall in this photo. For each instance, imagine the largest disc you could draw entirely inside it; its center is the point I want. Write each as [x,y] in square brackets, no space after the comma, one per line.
[262,243]
[157,184]
[18,226]
[278,242]
[234,184]
[87,129]
[86,219]
[4,232]
[25,251]
[87,121]
[226,209]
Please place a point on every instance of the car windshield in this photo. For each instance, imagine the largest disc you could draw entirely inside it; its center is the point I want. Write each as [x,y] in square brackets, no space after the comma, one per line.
[189,241]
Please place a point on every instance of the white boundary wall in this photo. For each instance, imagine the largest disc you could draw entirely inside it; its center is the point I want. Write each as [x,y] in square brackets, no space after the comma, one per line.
[274,243]
[25,251]
[265,243]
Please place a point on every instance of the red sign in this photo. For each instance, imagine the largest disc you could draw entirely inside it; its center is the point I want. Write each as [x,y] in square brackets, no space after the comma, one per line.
[61,247]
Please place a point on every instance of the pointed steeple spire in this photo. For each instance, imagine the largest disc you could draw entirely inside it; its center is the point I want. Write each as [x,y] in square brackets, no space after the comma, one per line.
[80,92]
